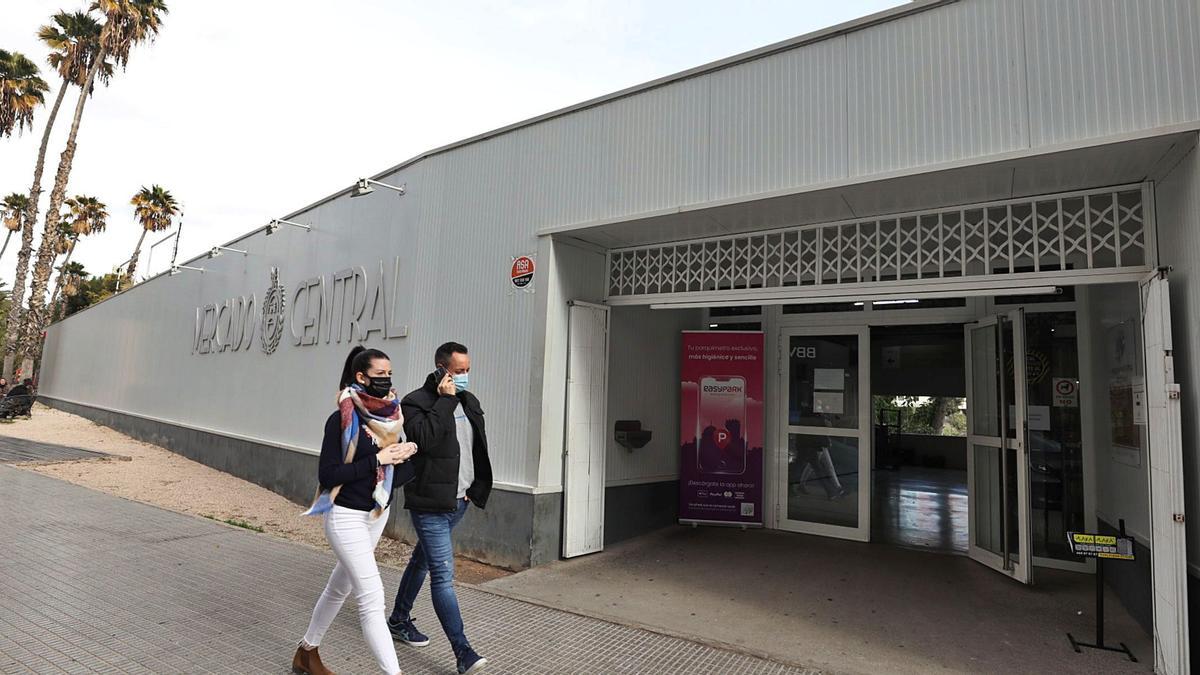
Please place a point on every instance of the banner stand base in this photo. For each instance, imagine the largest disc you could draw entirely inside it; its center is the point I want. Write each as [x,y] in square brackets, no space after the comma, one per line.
[1075,644]
[720,523]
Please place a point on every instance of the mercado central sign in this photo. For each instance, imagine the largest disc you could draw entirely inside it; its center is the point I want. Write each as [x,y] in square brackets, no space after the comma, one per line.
[351,305]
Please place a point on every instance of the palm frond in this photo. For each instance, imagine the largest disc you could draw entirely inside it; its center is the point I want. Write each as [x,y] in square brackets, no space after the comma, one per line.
[12,210]
[22,90]
[74,42]
[155,208]
[127,23]
[88,215]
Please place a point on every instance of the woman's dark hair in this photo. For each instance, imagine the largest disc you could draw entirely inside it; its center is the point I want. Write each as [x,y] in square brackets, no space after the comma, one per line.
[359,361]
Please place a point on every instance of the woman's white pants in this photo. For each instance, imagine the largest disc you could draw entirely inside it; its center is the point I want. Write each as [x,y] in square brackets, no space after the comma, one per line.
[353,535]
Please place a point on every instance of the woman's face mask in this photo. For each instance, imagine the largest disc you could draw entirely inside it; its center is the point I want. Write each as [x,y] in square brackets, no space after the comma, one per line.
[378,387]
[377,381]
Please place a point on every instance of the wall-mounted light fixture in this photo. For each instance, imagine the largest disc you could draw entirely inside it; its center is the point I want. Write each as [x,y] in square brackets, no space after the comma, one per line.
[216,251]
[180,268]
[150,257]
[274,225]
[363,187]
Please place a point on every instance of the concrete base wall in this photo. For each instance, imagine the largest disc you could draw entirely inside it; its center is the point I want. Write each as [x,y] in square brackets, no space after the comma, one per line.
[503,535]
[633,510]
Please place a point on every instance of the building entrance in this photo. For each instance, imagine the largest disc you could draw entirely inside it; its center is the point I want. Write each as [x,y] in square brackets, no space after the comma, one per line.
[918,394]
[963,436]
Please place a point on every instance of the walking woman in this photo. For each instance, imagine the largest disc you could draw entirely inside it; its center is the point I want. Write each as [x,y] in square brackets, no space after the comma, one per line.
[363,458]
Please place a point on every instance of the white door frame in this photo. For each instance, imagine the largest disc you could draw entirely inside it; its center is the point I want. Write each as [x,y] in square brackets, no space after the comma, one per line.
[585,437]
[1020,568]
[863,433]
[1165,478]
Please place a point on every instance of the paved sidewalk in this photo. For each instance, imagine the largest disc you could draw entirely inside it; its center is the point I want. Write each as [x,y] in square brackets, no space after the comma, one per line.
[94,583]
[13,450]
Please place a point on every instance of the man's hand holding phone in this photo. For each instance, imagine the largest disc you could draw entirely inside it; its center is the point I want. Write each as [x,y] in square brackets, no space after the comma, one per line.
[446,385]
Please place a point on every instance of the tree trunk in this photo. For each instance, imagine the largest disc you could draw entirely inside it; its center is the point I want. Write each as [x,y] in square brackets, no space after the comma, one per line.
[5,247]
[175,244]
[62,269]
[133,261]
[939,414]
[12,332]
[35,316]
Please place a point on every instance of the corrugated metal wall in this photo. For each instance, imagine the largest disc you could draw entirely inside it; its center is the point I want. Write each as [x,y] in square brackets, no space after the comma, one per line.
[133,353]
[964,80]
[936,86]
[1102,67]
[1178,215]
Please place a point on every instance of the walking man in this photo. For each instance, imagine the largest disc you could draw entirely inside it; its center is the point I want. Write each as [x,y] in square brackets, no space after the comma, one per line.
[453,471]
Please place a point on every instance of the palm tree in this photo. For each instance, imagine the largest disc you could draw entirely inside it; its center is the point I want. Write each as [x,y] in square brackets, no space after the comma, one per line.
[88,215]
[126,24]
[155,208]
[15,215]
[12,211]
[74,42]
[73,279]
[22,90]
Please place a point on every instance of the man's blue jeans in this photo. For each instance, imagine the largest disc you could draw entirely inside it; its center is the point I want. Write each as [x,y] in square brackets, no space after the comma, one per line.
[434,555]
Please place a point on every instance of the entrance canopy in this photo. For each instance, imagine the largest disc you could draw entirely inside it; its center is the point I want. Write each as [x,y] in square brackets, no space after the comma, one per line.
[1018,222]
[1074,237]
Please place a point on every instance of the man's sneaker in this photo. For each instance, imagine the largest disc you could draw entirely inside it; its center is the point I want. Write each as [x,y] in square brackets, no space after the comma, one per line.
[470,662]
[406,632]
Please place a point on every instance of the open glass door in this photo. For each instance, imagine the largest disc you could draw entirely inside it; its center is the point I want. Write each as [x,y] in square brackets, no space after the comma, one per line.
[997,456]
[825,475]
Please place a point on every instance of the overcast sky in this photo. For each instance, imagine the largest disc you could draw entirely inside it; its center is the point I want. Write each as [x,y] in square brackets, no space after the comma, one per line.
[249,109]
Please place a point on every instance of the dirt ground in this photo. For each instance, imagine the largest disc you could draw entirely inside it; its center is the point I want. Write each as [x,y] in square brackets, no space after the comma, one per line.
[154,475]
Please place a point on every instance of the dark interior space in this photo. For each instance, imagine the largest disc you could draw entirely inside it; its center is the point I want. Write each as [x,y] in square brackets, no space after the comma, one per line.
[918,389]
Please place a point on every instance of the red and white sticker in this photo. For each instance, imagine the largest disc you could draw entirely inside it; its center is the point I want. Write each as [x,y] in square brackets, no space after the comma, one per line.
[522,271]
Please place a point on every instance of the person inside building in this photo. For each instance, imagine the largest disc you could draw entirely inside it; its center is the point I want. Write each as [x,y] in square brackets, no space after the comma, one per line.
[364,457]
[453,469]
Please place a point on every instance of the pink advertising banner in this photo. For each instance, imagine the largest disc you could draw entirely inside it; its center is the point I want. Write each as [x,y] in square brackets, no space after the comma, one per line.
[721,428]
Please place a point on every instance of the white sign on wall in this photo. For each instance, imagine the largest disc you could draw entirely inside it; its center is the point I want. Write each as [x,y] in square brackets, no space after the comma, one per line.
[1066,392]
[1037,417]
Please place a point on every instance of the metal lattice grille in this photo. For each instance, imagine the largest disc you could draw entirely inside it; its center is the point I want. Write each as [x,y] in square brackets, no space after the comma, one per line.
[1056,235]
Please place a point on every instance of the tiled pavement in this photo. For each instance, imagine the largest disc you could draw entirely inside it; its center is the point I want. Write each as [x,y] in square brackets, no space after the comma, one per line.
[95,583]
[20,450]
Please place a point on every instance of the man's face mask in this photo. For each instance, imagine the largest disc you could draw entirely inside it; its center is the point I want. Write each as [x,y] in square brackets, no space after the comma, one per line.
[461,381]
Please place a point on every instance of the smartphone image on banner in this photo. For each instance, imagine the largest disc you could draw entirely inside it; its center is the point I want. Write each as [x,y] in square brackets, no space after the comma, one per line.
[721,425]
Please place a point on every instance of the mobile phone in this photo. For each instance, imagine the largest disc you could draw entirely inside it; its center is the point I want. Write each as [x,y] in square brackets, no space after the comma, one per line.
[721,446]
[440,374]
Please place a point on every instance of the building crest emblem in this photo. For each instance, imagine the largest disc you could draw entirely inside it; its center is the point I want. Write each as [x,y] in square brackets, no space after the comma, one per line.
[272,314]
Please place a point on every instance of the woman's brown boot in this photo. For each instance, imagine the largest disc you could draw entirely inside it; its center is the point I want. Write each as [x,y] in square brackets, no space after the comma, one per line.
[308,662]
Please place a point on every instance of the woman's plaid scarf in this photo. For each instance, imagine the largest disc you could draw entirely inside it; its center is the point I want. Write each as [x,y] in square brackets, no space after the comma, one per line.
[384,424]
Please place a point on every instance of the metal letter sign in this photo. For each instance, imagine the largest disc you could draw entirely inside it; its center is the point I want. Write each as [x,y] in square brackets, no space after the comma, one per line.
[349,305]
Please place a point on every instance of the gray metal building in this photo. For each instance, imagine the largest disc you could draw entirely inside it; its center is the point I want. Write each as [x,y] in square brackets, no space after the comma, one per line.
[965,154]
